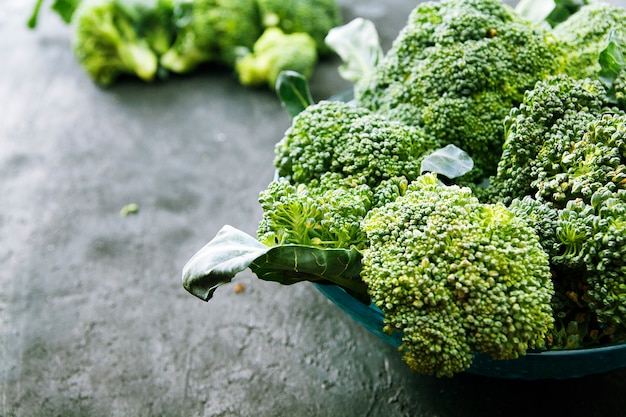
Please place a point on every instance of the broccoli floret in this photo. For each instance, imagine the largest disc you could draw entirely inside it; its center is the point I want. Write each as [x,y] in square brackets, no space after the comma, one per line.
[540,133]
[585,34]
[332,136]
[324,213]
[577,175]
[109,40]
[275,52]
[211,31]
[315,17]
[456,69]
[456,276]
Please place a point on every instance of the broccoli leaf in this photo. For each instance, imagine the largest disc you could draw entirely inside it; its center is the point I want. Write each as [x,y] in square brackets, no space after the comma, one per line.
[289,264]
[358,45]
[449,161]
[64,8]
[232,251]
[293,91]
[217,263]
[550,12]
[612,63]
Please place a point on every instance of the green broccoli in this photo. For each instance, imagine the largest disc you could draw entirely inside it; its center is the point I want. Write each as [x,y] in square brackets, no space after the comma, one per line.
[456,69]
[456,276]
[566,148]
[110,38]
[211,31]
[560,143]
[324,213]
[332,136]
[315,17]
[275,52]
[586,245]
[586,33]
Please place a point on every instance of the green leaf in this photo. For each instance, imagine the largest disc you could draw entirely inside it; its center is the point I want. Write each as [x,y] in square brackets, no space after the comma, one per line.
[32,20]
[612,63]
[65,8]
[217,263]
[449,161]
[232,251]
[293,91]
[358,45]
[289,264]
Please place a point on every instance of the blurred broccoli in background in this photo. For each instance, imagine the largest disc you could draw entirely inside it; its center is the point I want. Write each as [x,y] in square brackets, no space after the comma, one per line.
[211,30]
[315,17]
[152,38]
[114,37]
[274,52]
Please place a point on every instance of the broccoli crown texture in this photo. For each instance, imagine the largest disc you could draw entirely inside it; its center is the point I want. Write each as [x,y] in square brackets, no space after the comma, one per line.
[456,276]
[332,136]
[211,31]
[315,17]
[586,243]
[324,213]
[556,119]
[586,33]
[108,40]
[274,52]
[456,69]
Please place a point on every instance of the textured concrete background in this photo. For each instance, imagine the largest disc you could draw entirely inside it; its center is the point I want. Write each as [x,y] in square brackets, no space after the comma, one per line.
[93,317]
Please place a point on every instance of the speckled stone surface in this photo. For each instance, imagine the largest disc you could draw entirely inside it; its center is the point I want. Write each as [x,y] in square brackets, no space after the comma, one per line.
[93,318]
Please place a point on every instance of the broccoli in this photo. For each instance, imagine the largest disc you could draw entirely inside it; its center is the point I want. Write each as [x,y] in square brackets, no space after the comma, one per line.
[275,52]
[456,276]
[586,245]
[541,129]
[332,136]
[111,38]
[586,33]
[315,17]
[211,31]
[562,142]
[564,168]
[456,69]
[324,213]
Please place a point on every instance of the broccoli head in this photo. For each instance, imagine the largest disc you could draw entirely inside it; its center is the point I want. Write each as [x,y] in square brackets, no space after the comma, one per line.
[456,69]
[456,276]
[324,213]
[315,17]
[586,244]
[275,52]
[109,39]
[337,137]
[540,135]
[211,31]
[586,33]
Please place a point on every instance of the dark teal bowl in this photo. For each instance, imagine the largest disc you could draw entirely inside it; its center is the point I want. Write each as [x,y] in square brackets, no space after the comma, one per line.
[556,364]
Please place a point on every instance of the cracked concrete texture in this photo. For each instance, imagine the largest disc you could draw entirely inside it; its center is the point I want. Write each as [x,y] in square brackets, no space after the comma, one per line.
[93,317]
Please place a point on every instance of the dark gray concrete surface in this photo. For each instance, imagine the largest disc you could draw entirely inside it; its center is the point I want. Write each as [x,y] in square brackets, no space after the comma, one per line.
[93,317]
